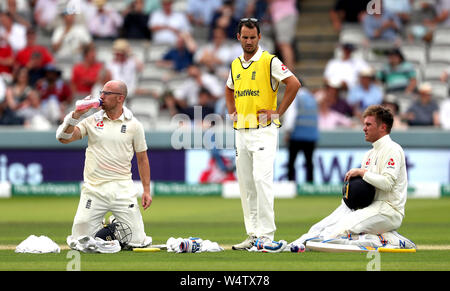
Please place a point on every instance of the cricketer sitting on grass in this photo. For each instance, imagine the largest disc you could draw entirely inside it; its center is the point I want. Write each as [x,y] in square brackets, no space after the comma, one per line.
[251,99]
[384,168]
[114,135]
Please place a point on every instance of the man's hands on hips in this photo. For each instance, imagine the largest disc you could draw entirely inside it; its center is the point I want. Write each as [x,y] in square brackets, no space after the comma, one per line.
[265,115]
[146,200]
[354,173]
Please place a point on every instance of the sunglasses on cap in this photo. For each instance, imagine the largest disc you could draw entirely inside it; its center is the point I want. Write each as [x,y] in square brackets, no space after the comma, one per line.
[254,20]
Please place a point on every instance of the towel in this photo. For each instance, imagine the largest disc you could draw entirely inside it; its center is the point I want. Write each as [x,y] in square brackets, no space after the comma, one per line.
[38,245]
[191,245]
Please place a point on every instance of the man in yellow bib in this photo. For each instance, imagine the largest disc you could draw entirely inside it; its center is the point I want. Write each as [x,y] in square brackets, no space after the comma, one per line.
[251,99]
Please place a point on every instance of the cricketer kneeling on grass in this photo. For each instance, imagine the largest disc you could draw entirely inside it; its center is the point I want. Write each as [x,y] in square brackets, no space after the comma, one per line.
[114,135]
[383,167]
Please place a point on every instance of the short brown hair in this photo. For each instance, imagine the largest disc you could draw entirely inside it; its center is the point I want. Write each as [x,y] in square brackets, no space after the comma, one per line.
[382,115]
[249,23]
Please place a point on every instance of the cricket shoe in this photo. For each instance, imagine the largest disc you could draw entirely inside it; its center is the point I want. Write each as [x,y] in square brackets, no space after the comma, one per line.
[395,240]
[246,244]
[267,245]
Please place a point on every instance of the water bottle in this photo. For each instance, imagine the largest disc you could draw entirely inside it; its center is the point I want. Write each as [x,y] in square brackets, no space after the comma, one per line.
[88,103]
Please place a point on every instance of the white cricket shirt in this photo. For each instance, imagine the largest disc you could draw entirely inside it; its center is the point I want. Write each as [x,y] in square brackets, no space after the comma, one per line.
[386,167]
[111,146]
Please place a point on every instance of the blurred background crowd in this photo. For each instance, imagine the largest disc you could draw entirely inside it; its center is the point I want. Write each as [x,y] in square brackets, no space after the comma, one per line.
[175,55]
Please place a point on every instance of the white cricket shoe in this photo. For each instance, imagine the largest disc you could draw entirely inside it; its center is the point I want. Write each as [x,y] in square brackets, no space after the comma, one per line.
[246,244]
[398,241]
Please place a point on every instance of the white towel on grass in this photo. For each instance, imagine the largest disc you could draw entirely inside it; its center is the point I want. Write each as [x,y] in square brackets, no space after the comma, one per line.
[174,245]
[38,245]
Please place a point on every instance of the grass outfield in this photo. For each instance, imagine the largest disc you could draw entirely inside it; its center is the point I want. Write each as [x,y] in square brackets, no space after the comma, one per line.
[220,220]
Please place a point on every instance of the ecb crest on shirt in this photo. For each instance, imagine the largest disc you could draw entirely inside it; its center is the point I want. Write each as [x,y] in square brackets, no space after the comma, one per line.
[99,125]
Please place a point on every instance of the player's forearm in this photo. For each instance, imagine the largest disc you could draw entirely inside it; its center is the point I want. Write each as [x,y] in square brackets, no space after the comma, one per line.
[383,182]
[229,100]
[144,170]
[65,132]
[292,87]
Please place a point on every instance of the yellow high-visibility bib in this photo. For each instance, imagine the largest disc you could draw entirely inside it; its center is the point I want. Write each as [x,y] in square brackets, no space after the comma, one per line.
[253,91]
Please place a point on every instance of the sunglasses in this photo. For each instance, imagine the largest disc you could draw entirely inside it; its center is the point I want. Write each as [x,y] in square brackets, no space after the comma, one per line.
[107,93]
[254,20]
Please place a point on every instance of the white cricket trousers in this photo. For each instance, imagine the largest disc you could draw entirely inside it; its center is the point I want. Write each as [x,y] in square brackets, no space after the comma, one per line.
[255,157]
[118,197]
[377,218]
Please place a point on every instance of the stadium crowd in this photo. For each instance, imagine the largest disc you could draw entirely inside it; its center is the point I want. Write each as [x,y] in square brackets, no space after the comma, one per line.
[175,54]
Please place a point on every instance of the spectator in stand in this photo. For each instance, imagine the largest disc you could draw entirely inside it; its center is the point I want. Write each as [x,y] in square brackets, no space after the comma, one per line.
[24,56]
[385,26]
[216,56]
[225,18]
[390,102]
[204,99]
[329,118]
[180,57]
[13,32]
[55,94]
[86,73]
[152,5]
[364,94]
[68,38]
[336,97]
[441,18]
[401,8]
[187,94]
[6,58]
[166,24]
[201,12]
[7,115]
[17,92]
[302,132]
[125,66]
[104,76]
[347,11]
[346,68]
[106,22]
[425,111]
[135,22]
[258,9]
[149,5]
[20,14]
[35,115]
[46,14]
[398,75]
[284,17]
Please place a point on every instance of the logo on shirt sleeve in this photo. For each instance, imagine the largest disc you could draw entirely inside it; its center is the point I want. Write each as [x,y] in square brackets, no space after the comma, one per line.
[391,164]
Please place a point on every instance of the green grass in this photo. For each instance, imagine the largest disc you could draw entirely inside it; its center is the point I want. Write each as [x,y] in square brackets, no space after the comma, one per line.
[220,220]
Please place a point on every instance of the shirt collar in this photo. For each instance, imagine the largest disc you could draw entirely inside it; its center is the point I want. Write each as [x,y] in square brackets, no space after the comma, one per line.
[127,114]
[255,57]
[381,141]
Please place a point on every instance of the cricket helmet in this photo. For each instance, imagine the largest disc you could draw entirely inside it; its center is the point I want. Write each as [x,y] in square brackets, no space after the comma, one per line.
[357,193]
[116,230]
